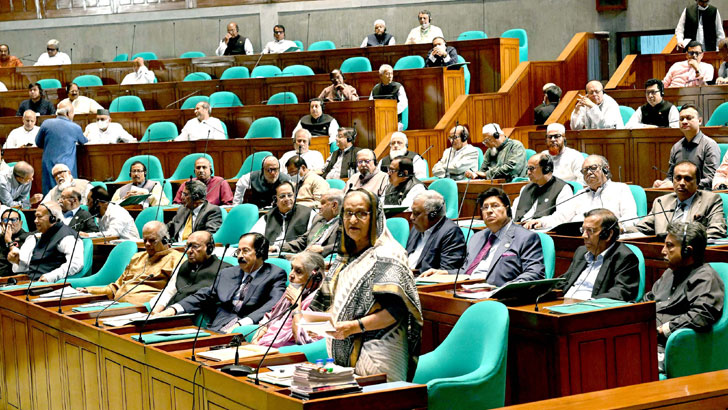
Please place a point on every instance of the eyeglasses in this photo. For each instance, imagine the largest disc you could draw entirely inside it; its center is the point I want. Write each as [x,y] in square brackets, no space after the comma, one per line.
[272,170]
[278,32]
[592,168]
[530,168]
[51,49]
[694,53]
[13,220]
[359,215]
[554,136]
[652,92]
[493,207]
[363,161]
[594,92]
[284,196]
[391,171]
[589,231]
[240,251]
[137,171]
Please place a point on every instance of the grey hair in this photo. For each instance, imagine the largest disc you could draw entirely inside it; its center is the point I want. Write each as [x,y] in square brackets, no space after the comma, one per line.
[55,210]
[63,111]
[59,167]
[306,132]
[207,106]
[368,152]
[604,164]
[335,195]
[159,227]
[434,202]
[399,134]
[694,235]
[197,189]
[311,262]
[384,67]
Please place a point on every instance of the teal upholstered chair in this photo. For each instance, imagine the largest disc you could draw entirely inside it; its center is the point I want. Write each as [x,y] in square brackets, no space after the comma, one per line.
[481,157]
[467,233]
[322,45]
[575,186]
[192,54]
[126,103]
[466,74]
[121,57]
[191,102]
[224,99]
[197,76]
[152,163]
[626,113]
[49,83]
[152,213]
[114,266]
[299,44]
[24,222]
[472,35]
[405,119]
[585,155]
[147,55]
[233,73]
[399,228]
[102,184]
[723,150]
[472,377]
[160,131]
[253,162]
[88,80]
[186,167]
[449,190]
[313,351]
[549,254]
[409,62]
[281,263]
[88,258]
[640,198]
[266,127]
[240,220]
[689,352]
[265,71]
[285,97]
[529,153]
[356,65]
[522,37]
[719,117]
[297,69]
[641,259]
[336,184]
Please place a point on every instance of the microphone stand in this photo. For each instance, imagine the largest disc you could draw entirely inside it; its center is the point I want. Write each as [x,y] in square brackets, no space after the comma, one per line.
[214,284]
[68,270]
[455,284]
[183,98]
[582,192]
[452,150]
[293,209]
[460,208]
[125,293]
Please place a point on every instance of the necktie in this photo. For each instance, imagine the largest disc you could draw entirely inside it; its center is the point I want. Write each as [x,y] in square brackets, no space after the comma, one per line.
[479,257]
[679,213]
[240,294]
[187,231]
[320,232]
[68,214]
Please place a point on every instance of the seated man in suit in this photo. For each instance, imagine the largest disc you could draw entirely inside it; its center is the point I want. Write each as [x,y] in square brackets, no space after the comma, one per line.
[403,186]
[551,98]
[114,221]
[690,294]
[64,179]
[441,55]
[369,177]
[198,271]
[196,214]
[435,242]
[285,222]
[79,219]
[153,267]
[11,229]
[459,159]
[505,157]
[243,293]
[603,267]
[686,204]
[399,147]
[262,183]
[505,252]
[218,190]
[342,162]
[140,185]
[539,198]
[321,238]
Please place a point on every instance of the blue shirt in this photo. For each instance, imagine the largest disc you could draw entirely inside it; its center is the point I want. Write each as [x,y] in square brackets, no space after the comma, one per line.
[58,138]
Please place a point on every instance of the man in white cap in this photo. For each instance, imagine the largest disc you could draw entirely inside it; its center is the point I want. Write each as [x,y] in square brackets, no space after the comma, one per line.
[567,161]
[504,159]
[380,36]
[399,147]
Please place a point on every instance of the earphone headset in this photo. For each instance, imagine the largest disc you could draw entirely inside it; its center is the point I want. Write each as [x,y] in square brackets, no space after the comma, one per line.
[548,166]
[432,215]
[320,101]
[352,137]
[165,240]
[51,218]
[429,15]
[464,134]
[143,166]
[261,251]
[210,246]
[683,246]
[604,234]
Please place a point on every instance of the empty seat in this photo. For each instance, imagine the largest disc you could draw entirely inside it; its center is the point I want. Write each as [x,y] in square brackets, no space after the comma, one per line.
[117,261]
[286,97]
[152,163]
[239,221]
[522,37]
[160,131]
[356,65]
[88,80]
[399,228]
[49,83]
[719,117]
[322,45]
[297,69]
[197,76]
[152,213]
[126,103]
[234,73]
[186,167]
[266,127]
[409,62]
[224,99]
[265,71]
[192,54]
[121,57]
[466,74]
[191,102]
[626,113]
[472,35]
[449,191]
[147,55]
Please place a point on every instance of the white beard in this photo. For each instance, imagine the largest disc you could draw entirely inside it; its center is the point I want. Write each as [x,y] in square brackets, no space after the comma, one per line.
[394,154]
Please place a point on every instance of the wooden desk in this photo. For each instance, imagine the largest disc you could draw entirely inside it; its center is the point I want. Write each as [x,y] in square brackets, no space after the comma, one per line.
[553,355]
[62,361]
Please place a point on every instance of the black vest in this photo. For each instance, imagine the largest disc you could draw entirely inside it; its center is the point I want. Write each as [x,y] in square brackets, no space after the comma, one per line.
[317,127]
[190,278]
[377,40]
[394,195]
[545,195]
[347,163]
[235,46]
[46,256]
[657,115]
[384,163]
[6,268]
[297,221]
[691,25]
[387,92]
[263,192]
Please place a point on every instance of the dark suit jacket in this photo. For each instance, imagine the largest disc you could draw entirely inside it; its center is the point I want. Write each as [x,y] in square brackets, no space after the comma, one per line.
[542,113]
[77,222]
[209,219]
[519,257]
[349,159]
[619,277]
[302,242]
[266,288]
[445,248]
[439,61]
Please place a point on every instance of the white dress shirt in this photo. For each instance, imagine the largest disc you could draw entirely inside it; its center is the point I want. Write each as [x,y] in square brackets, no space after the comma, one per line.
[117,222]
[223,46]
[566,193]
[199,130]
[58,59]
[606,115]
[673,116]
[19,137]
[84,105]
[111,135]
[680,30]
[141,76]
[464,159]
[65,246]
[314,159]
[417,36]
[3,87]
[414,257]
[567,165]
[277,47]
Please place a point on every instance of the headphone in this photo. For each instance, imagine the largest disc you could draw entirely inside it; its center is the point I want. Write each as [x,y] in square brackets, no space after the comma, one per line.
[604,234]
[51,218]
[210,246]
[261,251]
[165,240]
[143,166]
[683,247]
[429,15]
[433,214]
[548,166]
[349,138]
[464,134]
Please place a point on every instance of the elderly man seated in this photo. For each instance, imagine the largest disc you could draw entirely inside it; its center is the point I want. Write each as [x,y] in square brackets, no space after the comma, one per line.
[538,198]
[23,136]
[53,54]
[338,90]
[317,122]
[321,238]
[595,110]
[435,242]
[286,221]
[399,147]
[140,75]
[203,126]
[310,186]
[64,179]
[81,104]
[301,144]
[79,219]
[403,186]
[114,221]
[262,183]
[380,37]
[153,266]
[218,190]
[15,186]
[103,131]
[369,177]
[140,185]
[504,159]
[460,158]
[195,214]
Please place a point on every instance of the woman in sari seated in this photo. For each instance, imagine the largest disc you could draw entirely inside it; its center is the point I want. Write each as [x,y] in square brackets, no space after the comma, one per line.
[371,295]
[304,266]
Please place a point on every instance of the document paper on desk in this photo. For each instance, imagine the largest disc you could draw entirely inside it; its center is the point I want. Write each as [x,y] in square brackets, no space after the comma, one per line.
[317,322]
[67,293]
[122,320]
[228,354]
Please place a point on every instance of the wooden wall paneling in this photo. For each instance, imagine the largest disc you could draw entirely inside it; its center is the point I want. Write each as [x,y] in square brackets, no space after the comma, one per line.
[649,152]
[124,383]
[45,357]
[16,360]
[12,79]
[543,72]
[81,373]
[169,392]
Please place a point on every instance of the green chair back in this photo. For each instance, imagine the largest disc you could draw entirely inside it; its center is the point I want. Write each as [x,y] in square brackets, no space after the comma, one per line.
[253,162]
[522,37]
[285,97]
[640,198]
[409,62]
[467,233]
[265,71]
[719,117]
[197,76]
[336,184]
[297,69]
[88,80]
[723,150]
[240,220]
[689,352]
[322,45]
[147,55]
[24,222]
[575,186]
[481,157]
[118,259]
[472,377]
[99,183]
[427,168]
[641,259]
[449,190]
[266,127]
[281,263]
[49,83]
[299,44]
[529,153]
[152,163]
[121,57]
[466,74]
[585,155]
[126,103]
[313,351]
[160,131]
[356,65]
[88,259]
[233,73]
[152,213]
[405,119]
[399,228]
[472,35]
[549,254]
[222,99]
[186,167]
[192,54]
[191,102]
[626,113]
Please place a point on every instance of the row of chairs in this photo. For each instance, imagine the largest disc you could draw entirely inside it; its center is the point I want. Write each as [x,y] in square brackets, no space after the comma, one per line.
[718,118]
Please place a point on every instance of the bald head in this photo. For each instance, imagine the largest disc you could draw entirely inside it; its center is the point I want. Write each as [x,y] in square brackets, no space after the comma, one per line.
[23,170]
[138,63]
[65,109]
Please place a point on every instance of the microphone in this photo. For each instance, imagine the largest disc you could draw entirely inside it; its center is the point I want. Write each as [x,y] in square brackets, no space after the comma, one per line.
[460,208]
[308,26]
[455,283]
[141,328]
[159,201]
[650,214]
[76,225]
[183,98]
[545,212]
[620,173]
[214,283]
[68,270]
[174,39]
[133,36]
[659,202]
[450,154]
[659,170]
[256,63]
[207,140]
[124,294]
[428,148]
[71,56]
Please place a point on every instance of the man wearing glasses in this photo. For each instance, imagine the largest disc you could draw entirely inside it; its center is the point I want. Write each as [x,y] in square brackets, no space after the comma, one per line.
[286,221]
[601,192]
[197,214]
[280,44]
[504,159]
[262,184]
[369,177]
[691,72]
[218,190]
[658,112]
[53,55]
[538,198]
[64,179]
[596,110]
[567,161]
[700,22]
[459,158]
[12,230]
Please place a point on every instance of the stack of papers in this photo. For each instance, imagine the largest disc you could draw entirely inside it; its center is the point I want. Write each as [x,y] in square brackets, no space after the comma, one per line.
[439,279]
[68,292]
[279,375]
[313,381]
[317,322]
[123,320]
[227,354]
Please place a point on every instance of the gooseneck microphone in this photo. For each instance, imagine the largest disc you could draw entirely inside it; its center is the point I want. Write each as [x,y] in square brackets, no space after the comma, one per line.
[68,271]
[146,264]
[214,284]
